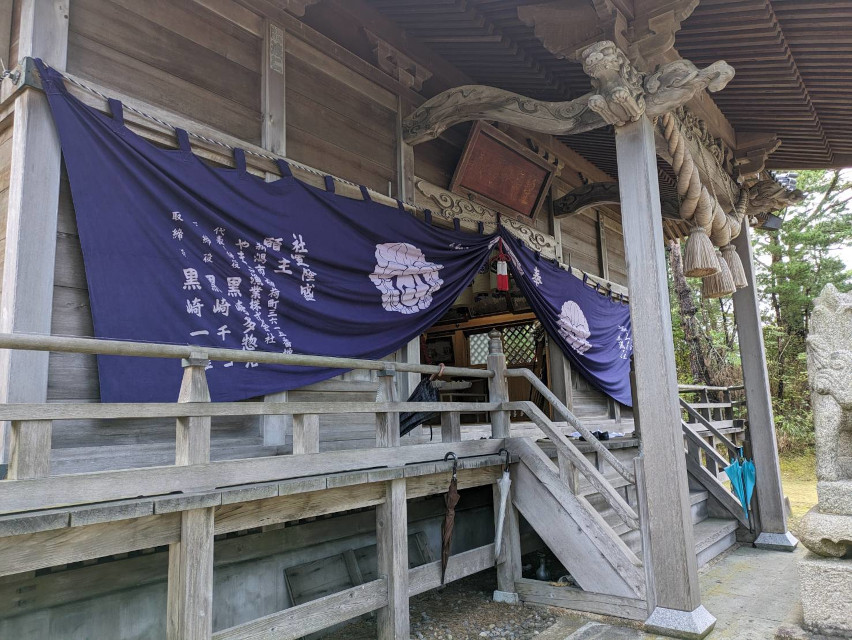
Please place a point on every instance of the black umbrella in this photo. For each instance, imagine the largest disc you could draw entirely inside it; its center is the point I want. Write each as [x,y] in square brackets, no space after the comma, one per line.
[451,499]
[426,391]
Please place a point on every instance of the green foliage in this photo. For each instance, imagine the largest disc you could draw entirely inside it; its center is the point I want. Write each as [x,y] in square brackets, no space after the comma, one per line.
[792,265]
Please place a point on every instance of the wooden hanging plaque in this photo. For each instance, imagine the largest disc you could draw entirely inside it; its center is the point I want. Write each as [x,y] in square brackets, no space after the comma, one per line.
[499,173]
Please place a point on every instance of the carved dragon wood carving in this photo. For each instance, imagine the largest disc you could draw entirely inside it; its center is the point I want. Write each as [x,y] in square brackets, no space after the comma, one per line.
[621,94]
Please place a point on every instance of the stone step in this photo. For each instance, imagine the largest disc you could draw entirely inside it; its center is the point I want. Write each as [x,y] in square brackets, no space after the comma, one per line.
[712,537]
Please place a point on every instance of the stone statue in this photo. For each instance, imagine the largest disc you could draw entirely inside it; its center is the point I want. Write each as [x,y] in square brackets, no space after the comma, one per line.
[826,530]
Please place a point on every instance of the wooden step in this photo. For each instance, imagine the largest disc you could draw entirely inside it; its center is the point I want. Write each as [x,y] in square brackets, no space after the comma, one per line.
[712,537]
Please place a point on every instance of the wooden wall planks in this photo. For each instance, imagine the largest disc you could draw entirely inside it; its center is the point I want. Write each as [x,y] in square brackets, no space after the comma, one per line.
[178,55]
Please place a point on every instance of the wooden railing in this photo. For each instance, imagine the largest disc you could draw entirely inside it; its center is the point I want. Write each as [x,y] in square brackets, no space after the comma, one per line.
[49,520]
[710,426]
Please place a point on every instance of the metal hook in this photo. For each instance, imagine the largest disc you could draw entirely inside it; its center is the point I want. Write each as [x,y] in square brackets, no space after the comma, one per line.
[455,462]
[506,461]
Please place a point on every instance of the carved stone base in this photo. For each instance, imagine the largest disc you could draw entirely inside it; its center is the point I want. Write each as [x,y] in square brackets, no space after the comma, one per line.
[776,541]
[835,497]
[826,588]
[691,625]
[506,597]
[826,534]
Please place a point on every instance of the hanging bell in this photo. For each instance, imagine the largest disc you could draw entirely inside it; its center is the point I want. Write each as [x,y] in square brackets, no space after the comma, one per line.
[502,269]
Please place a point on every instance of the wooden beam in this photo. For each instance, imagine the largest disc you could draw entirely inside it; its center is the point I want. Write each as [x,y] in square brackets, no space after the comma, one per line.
[26,301]
[32,551]
[392,561]
[316,615]
[549,595]
[672,549]
[460,565]
[770,494]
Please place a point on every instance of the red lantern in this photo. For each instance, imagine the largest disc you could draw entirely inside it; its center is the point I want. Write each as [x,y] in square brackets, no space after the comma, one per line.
[502,269]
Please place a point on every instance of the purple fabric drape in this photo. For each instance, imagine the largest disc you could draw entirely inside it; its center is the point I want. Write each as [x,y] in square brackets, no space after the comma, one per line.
[177,251]
[593,330]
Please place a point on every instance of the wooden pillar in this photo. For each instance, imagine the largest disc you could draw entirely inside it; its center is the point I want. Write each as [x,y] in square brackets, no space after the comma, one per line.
[674,599]
[761,424]
[274,428]
[392,525]
[498,387]
[560,375]
[190,578]
[451,426]
[27,296]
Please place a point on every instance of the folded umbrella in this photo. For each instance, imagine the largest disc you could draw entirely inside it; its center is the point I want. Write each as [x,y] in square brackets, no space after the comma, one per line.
[503,486]
[451,499]
[425,391]
[735,474]
[749,480]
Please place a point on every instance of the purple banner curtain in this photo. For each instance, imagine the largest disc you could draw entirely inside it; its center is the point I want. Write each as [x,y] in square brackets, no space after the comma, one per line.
[177,251]
[593,330]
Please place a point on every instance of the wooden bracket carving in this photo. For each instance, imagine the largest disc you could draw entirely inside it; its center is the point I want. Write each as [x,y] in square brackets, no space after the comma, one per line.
[396,64]
[621,94]
[646,30]
[297,7]
[602,193]
[768,195]
[752,151]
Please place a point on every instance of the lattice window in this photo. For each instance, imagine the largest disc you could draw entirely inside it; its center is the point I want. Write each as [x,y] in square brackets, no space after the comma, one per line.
[518,345]
[478,348]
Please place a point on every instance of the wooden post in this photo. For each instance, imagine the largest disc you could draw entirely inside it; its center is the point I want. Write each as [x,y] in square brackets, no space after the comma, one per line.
[305,433]
[560,374]
[29,450]
[26,302]
[498,388]
[450,426]
[387,424]
[392,525]
[761,424]
[273,136]
[392,559]
[190,578]
[670,540]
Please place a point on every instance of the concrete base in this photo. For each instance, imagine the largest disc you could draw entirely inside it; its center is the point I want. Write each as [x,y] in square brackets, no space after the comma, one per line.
[691,625]
[776,541]
[506,597]
[826,588]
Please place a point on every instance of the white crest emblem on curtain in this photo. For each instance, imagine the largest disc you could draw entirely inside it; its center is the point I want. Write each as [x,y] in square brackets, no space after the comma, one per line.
[405,278]
[574,327]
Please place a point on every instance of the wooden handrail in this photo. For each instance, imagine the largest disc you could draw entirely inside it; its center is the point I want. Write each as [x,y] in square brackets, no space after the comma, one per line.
[565,447]
[98,411]
[709,450]
[97,346]
[691,388]
[732,448]
[571,419]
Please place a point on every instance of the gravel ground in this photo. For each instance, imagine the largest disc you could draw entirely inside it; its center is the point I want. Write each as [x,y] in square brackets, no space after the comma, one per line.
[463,610]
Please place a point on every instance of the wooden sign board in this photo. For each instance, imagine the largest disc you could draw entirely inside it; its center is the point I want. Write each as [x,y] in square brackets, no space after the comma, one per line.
[499,173]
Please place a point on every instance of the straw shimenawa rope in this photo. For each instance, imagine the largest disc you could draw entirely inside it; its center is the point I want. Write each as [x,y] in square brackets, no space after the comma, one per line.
[710,224]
